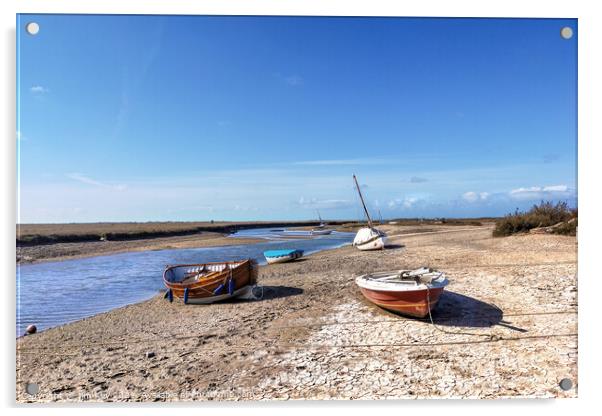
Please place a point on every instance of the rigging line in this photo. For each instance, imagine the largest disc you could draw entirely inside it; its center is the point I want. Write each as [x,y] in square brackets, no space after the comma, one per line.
[308,325]
[440,232]
[500,265]
[404,320]
[302,345]
[467,244]
[512,264]
[428,301]
[305,346]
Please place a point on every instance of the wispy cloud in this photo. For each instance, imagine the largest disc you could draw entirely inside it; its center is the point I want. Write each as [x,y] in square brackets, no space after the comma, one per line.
[342,162]
[315,203]
[417,179]
[551,158]
[89,181]
[123,112]
[293,80]
[245,208]
[192,208]
[38,89]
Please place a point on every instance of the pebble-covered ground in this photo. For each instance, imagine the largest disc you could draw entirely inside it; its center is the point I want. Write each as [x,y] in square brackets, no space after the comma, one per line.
[505,327]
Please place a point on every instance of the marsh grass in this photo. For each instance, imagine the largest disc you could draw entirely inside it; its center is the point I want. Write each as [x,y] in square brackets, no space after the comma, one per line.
[546,214]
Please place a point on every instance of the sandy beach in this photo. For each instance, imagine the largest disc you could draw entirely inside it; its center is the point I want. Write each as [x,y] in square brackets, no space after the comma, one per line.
[505,327]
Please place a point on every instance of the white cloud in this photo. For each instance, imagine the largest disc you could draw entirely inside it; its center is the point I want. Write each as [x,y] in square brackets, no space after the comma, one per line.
[470,196]
[89,181]
[38,89]
[474,196]
[417,179]
[555,188]
[541,192]
[407,202]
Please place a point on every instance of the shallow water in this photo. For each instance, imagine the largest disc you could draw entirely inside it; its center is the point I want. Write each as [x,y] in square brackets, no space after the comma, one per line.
[54,293]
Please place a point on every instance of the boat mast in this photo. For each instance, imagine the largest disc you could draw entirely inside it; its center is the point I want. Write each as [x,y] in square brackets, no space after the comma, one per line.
[363,203]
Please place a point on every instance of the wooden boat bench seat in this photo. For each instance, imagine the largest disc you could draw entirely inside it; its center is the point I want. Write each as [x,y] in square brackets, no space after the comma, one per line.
[199,276]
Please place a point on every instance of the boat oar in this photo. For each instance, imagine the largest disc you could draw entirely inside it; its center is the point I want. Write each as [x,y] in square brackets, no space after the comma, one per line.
[229,281]
[218,289]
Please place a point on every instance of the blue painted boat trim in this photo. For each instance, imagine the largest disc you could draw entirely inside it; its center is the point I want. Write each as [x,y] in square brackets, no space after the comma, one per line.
[281,253]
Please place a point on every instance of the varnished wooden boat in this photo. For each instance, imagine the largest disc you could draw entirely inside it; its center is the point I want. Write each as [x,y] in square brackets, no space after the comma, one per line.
[408,292]
[210,282]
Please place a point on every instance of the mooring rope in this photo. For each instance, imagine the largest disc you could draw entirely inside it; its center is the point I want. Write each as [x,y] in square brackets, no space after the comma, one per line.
[492,337]
[305,346]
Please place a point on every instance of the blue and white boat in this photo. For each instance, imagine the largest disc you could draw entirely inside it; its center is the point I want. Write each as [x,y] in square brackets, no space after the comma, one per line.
[282,256]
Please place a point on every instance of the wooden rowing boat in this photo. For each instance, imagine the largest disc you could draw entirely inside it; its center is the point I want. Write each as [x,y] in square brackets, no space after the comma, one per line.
[210,282]
[408,292]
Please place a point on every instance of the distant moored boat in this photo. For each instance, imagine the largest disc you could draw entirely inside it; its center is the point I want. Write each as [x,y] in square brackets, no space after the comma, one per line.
[370,237]
[317,231]
[320,229]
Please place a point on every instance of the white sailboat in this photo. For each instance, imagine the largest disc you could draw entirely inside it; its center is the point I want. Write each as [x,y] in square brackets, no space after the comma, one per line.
[370,237]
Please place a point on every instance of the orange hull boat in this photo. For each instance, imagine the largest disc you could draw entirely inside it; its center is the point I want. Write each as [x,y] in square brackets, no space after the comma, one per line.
[413,304]
[408,292]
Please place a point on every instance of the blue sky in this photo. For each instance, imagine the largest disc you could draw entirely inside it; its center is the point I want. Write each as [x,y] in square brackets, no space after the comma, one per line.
[143,118]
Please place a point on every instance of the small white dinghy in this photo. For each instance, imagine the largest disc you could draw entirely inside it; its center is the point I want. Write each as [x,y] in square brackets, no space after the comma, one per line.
[368,238]
[409,292]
